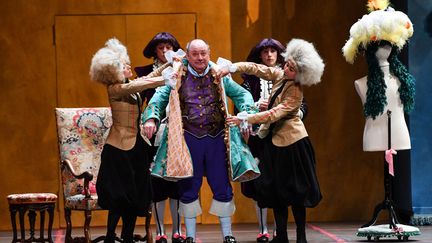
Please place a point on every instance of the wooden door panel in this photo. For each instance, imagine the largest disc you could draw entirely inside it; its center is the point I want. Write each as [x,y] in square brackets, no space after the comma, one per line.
[77,39]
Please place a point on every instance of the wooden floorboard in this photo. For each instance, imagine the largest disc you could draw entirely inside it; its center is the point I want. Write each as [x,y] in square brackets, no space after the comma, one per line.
[246,233]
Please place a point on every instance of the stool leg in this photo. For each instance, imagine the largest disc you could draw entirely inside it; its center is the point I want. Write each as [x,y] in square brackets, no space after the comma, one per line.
[50,222]
[42,225]
[13,212]
[21,212]
[32,220]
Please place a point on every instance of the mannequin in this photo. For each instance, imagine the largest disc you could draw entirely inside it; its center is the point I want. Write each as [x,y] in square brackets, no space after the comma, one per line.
[375,132]
[397,96]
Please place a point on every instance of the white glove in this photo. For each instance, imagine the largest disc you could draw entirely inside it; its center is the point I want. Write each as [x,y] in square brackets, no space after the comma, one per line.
[168,75]
[243,116]
[170,54]
[225,63]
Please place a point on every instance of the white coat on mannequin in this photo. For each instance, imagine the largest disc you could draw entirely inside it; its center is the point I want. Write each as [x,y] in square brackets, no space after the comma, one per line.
[375,135]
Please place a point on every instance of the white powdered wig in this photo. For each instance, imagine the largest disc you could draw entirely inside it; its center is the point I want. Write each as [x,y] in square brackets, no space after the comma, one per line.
[118,47]
[108,62]
[309,64]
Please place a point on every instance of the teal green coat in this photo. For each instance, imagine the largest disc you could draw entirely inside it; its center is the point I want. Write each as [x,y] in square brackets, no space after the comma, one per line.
[242,165]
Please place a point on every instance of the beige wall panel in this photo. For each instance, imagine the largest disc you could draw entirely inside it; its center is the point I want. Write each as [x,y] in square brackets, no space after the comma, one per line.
[28,145]
[77,39]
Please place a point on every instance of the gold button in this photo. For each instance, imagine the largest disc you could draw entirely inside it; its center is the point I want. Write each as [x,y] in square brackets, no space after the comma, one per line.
[199,97]
[200,126]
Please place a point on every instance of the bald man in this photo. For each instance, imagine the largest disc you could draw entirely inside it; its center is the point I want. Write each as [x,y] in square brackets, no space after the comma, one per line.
[203,117]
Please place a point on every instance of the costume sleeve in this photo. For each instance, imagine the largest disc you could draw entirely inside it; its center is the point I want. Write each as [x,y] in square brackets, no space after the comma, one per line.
[261,71]
[134,86]
[158,71]
[287,108]
[240,96]
[156,107]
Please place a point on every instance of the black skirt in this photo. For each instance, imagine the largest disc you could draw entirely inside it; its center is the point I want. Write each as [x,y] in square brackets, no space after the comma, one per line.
[288,175]
[124,183]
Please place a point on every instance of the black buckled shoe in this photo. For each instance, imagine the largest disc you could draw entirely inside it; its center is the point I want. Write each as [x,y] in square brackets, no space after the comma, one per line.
[177,238]
[229,239]
[189,240]
[263,237]
[161,239]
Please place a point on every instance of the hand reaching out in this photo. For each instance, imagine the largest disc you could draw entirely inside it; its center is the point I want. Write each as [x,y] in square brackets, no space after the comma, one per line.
[148,128]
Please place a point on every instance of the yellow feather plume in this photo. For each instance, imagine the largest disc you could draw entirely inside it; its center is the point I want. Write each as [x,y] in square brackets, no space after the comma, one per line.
[373,5]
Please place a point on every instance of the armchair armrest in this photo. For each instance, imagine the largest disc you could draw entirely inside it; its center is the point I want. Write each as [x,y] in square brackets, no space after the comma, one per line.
[87,176]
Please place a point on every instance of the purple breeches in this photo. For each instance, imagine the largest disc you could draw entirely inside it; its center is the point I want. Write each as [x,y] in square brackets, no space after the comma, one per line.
[209,159]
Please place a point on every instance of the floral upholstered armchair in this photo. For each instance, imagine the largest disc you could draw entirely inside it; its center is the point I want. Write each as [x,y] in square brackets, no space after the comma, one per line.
[81,135]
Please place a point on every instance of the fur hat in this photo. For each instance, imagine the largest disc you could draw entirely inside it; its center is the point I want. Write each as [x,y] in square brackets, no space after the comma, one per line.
[382,24]
[255,53]
[162,37]
[309,64]
[108,63]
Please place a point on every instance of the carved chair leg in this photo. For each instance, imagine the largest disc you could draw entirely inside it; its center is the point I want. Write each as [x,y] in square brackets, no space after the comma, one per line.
[88,216]
[68,236]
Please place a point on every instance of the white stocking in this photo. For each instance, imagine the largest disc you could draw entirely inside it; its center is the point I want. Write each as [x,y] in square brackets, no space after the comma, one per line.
[159,213]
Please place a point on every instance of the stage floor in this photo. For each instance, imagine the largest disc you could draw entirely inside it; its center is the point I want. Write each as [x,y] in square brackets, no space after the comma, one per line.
[246,233]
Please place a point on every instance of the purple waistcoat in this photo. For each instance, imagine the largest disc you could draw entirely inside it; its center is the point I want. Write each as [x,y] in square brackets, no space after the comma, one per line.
[201,105]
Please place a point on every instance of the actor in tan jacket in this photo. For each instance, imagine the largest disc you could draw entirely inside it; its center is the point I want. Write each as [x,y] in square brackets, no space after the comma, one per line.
[123,184]
[288,176]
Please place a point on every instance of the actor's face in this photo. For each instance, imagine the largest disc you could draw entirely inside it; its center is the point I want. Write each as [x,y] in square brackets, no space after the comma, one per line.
[290,69]
[161,48]
[198,55]
[269,56]
[127,72]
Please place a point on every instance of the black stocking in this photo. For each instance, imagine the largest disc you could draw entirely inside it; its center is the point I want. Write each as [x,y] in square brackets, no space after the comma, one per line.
[281,218]
[299,213]
[129,220]
[113,218]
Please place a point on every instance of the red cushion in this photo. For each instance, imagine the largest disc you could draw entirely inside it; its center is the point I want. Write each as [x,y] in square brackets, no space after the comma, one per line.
[27,198]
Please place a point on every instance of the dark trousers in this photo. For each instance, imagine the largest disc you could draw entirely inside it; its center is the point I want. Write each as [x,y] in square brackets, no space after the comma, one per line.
[209,159]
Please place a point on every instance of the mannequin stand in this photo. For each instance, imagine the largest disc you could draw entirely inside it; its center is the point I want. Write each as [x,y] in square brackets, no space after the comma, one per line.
[393,228]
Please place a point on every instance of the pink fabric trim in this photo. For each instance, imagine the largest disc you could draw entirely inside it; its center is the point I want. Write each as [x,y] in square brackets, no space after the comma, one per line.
[389,158]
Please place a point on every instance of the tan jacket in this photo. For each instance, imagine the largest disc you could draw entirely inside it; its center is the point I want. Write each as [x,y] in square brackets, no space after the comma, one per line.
[288,127]
[124,100]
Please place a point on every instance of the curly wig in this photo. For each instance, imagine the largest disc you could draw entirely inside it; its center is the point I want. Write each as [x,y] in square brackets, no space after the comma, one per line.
[108,63]
[375,97]
[310,66]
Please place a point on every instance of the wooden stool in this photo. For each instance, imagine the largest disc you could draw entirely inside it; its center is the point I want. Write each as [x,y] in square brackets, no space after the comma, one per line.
[32,202]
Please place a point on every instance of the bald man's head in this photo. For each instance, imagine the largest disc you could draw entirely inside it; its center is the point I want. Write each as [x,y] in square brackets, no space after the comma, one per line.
[198,54]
